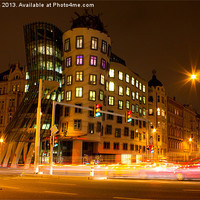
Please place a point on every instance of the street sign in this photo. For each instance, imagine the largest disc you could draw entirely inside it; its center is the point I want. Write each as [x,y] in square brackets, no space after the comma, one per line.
[54,129]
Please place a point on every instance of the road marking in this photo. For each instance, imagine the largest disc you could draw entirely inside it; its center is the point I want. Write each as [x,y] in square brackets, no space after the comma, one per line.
[191,190]
[65,193]
[130,198]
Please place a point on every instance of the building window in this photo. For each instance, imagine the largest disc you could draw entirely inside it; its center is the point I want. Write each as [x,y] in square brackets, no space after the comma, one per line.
[136,83]
[78,110]
[79,76]
[104,46]
[150,111]
[133,95]
[120,104]
[79,60]
[144,100]
[69,79]
[93,79]
[144,88]
[126,131]
[132,147]
[102,79]
[133,108]
[158,138]
[140,99]
[92,95]
[132,81]
[94,43]
[62,95]
[132,134]
[67,44]
[121,91]
[158,98]
[137,108]
[144,111]
[79,92]
[140,111]
[103,64]
[68,95]
[119,120]
[127,78]
[150,99]
[68,61]
[144,124]
[125,146]
[77,124]
[116,145]
[158,111]
[91,128]
[93,60]
[98,128]
[111,73]
[108,129]
[111,86]
[127,104]
[106,145]
[111,101]
[140,86]
[79,42]
[66,112]
[100,95]
[127,91]
[120,75]
[137,95]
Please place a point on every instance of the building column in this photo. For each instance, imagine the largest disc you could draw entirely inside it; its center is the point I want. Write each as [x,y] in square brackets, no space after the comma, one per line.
[25,151]
[17,154]
[77,152]
[3,152]
[29,156]
[8,154]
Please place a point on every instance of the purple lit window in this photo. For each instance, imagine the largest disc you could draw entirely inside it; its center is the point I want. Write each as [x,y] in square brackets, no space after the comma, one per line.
[103,63]
[79,60]
[69,62]
[93,60]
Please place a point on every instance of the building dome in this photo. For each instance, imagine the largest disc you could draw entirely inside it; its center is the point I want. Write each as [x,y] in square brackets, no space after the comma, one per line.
[88,21]
[154,81]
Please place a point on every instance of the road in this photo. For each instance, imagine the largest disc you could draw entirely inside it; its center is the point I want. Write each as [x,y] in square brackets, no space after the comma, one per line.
[29,186]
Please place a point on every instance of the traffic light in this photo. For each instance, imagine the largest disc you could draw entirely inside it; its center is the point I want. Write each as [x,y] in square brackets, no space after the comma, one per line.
[55,141]
[97,110]
[128,116]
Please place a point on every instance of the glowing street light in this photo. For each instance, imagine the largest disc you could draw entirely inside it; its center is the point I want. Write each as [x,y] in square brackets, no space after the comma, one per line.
[154,130]
[1,140]
[193,76]
[190,139]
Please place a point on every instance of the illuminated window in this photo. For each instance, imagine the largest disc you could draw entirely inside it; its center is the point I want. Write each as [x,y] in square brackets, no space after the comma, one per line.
[140,86]
[103,64]
[127,78]
[102,79]
[132,81]
[136,83]
[120,104]
[18,88]
[79,92]
[144,111]
[104,46]
[68,61]
[49,50]
[77,124]
[150,111]
[26,88]
[127,91]
[67,44]
[144,100]
[111,73]
[27,76]
[91,128]
[127,104]
[92,95]
[79,76]
[158,111]
[93,60]
[133,108]
[111,86]
[137,108]
[62,95]
[79,42]
[163,113]
[133,95]
[144,88]
[111,100]
[140,99]
[121,91]
[120,75]
[137,95]
[94,43]
[79,60]
[93,79]
[101,95]
[14,88]
[69,79]
[63,79]
[68,95]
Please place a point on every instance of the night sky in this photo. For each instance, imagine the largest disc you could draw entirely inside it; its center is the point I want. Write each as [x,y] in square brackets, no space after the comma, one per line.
[164,36]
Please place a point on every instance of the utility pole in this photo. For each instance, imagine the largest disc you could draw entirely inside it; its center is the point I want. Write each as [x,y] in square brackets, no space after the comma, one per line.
[37,135]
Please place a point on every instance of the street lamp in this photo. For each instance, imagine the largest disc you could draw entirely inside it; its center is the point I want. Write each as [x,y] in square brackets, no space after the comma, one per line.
[193,76]
[190,139]
[1,140]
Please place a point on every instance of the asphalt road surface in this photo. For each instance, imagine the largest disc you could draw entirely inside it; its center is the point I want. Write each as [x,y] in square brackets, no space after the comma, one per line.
[66,187]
